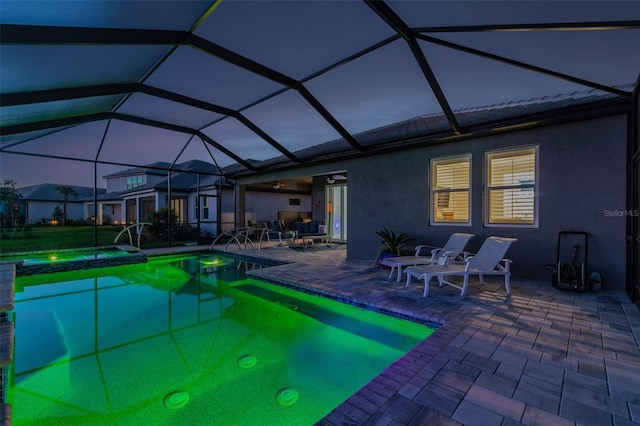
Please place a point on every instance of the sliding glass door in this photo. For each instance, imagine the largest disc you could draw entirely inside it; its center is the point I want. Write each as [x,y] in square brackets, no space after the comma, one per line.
[337,212]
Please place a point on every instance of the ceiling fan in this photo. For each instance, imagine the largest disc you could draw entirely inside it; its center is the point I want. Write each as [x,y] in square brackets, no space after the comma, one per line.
[333,178]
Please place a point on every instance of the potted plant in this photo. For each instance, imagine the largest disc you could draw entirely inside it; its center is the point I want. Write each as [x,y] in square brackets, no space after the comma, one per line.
[392,244]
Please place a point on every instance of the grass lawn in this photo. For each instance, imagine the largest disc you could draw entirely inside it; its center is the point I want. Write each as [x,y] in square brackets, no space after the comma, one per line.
[46,238]
[56,237]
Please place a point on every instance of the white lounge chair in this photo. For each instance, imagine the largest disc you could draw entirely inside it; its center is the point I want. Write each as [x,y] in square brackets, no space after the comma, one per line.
[488,261]
[452,251]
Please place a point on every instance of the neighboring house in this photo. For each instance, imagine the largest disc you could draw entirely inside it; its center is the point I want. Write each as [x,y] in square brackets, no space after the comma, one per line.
[40,201]
[134,193]
[130,196]
[110,209]
[126,180]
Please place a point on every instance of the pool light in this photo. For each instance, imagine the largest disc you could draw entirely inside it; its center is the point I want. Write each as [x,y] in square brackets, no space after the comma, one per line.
[247,361]
[216,263]
[176,399]
[287,396]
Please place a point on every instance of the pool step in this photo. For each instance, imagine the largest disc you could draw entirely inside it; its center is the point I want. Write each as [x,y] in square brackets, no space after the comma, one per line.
[127,248]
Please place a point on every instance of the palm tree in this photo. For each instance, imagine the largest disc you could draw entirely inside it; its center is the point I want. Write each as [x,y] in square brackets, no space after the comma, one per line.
[65,191]
[9,202]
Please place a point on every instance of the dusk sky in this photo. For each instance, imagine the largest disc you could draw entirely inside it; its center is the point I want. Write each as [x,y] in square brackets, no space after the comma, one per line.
[296,39]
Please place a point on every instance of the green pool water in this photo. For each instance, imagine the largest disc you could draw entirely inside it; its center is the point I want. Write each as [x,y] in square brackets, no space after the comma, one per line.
[189,341]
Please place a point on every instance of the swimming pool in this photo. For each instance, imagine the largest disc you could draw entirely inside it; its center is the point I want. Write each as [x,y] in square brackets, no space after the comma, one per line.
[189,340]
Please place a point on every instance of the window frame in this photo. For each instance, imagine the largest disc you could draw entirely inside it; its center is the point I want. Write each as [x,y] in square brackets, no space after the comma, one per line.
[433,191]
[178,205]
[535,186]
[134,181]
[205,207]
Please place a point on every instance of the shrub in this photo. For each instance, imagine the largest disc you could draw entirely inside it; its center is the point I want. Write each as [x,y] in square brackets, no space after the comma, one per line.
[160,220]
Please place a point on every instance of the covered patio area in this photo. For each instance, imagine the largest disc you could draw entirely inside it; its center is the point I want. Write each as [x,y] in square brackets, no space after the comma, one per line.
[541,356]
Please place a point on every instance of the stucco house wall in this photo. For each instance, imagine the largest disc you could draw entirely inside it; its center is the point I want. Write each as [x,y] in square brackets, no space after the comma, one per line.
[582,184]
[39,202]
[264,206]
[209,223]
[39,210]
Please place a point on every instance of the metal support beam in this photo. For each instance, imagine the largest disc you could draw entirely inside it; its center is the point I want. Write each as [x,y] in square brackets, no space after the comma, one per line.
[633,196]
[526,66]
[67,93]
[23,98]
[70,121]
[566,26]
[28,34]
[51,124]
[212,142]
[153,91]
[273,75]
[258,131]
[395,22]
[186,130]
[42,34]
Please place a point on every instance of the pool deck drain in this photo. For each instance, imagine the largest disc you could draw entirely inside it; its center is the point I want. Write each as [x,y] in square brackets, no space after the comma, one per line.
[538,357]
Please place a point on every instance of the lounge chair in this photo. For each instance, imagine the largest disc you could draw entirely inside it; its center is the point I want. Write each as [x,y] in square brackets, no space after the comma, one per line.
[275,232]
[488,261]
[452,251]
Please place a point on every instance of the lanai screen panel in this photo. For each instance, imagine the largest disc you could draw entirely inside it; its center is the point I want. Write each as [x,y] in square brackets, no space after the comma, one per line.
[45,111]
[236,137]
[204,65]
[200,75]
[491,83]
[11,141]
[470,80]
[587,54]
[40,67]
[147,14]
[443,13]
[79,142]
[166,111]
[136,144]
[291,121]
[296,38]
[382,87]
[51,170]
[197,149]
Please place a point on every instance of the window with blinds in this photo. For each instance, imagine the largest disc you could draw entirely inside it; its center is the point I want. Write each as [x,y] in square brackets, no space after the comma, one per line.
[511,187]
[450,190]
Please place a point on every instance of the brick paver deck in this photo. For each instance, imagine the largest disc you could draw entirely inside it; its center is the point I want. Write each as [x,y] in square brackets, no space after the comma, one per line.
[540,357]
